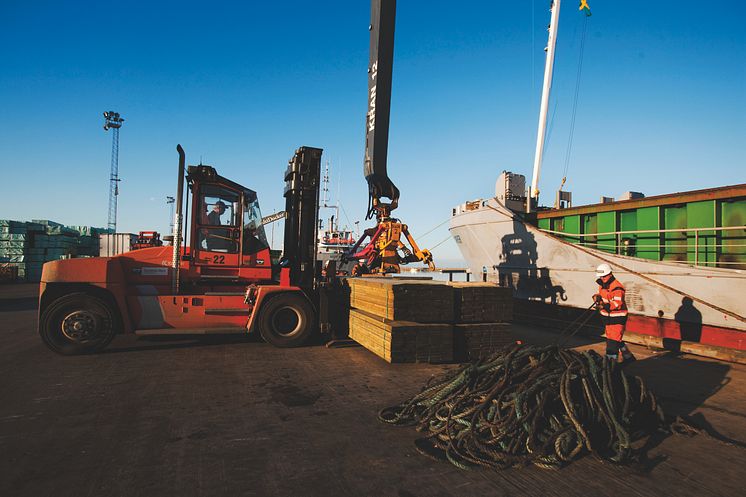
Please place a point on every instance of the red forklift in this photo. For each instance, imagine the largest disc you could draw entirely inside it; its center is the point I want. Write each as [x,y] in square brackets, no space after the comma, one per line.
[221,281]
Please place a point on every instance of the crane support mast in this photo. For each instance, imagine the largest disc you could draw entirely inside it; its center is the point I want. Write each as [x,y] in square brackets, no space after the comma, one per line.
[386,250]
[380,68]
[547,86]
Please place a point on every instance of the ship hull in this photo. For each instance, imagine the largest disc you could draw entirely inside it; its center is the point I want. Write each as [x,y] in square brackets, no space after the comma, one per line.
[667,300]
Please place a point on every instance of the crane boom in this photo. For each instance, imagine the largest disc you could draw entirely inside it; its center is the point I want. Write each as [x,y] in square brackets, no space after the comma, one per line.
[380,68]
[385,251]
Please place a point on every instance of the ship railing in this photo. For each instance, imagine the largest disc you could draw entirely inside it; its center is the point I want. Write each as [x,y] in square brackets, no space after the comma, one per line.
[620,248]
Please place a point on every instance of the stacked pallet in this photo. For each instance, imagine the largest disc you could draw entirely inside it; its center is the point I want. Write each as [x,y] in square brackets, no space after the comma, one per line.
[8,273]
[26,246]
[401,299]
[482,311]
[402,341]
[477,340]
[482,302]
[402,320]
[14,245]
[415,320]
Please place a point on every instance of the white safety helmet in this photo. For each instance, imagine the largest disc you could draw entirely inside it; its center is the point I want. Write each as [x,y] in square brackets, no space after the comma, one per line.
[603,270]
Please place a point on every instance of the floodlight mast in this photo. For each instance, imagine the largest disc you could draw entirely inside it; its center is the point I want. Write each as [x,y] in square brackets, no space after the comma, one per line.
[170,201]
[114,122]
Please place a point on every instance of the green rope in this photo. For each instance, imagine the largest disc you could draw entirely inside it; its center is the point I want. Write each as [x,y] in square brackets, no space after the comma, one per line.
[530,405]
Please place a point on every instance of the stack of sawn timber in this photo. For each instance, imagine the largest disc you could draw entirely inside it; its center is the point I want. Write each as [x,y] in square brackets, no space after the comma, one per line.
[26,246]
[415,320]
[402,320]
[483,315]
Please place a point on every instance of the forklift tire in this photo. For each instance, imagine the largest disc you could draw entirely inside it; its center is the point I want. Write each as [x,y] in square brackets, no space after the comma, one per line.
[78,323]
[286,320]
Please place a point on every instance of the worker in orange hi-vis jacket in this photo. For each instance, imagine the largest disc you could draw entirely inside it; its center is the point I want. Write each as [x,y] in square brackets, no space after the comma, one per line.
[610,304]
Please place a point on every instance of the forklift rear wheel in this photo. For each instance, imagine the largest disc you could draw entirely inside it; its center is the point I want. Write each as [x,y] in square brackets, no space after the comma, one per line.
[78,323]
[286,320]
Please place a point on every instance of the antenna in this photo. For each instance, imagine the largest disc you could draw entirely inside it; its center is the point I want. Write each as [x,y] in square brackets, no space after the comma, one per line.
[325,185]
[339,179]
[325,200]
[113,121]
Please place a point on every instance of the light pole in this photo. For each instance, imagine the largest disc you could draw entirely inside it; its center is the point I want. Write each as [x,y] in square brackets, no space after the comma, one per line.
[113,121]
[170,201]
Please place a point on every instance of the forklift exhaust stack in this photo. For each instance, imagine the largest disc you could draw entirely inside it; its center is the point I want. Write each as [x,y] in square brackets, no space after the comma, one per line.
[176,259]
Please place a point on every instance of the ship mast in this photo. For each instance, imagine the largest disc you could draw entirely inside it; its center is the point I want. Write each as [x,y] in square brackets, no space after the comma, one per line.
[334,220]
[541,134]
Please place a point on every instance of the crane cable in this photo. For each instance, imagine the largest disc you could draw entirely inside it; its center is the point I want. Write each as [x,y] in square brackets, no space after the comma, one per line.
[433,229]
[345,213]
[440,243]
[575,102]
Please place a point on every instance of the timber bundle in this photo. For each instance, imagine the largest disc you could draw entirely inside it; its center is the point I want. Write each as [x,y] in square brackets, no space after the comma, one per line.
[408,320]
[538,405]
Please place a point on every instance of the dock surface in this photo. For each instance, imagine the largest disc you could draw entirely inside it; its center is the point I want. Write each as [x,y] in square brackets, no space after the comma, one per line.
[208,416]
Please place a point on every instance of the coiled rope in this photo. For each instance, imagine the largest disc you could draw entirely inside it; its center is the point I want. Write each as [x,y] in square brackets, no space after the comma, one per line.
[539,405]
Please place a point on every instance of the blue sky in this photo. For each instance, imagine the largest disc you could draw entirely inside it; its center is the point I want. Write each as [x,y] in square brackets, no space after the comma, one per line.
[662,104]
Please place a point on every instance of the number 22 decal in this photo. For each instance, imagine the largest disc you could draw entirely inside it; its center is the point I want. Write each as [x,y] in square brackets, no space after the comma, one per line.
[218,259]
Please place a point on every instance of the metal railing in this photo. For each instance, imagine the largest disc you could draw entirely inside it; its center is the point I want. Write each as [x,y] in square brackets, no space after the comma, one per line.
[619,246]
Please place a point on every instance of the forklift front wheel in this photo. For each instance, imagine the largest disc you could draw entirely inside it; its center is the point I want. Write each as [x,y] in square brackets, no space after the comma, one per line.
[78,323]
[286,320]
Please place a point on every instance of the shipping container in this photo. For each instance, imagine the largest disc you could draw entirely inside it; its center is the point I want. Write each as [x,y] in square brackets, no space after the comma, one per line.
[115,244]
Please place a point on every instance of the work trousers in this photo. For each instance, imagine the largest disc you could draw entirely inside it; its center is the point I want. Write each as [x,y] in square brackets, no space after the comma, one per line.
[614,335]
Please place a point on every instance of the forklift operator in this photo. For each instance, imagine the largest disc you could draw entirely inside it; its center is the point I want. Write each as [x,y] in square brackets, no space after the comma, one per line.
[213,218]
[217,239]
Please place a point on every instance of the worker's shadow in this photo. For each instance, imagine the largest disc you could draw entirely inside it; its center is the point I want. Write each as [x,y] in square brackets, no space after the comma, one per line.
[682,386]
[689,319]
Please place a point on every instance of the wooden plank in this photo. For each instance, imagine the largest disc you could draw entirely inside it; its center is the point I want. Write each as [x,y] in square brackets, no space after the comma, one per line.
[402,341]
[422,301]
[479,302]
[476,340]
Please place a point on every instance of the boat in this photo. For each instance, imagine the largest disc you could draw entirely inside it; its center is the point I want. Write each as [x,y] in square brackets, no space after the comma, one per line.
[680,256]
[333,241]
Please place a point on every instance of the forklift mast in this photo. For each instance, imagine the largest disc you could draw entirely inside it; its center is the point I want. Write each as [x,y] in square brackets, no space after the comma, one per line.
[302,180]
[380,68]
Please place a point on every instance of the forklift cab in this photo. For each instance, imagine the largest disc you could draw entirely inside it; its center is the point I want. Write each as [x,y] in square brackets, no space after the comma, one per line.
[227,234]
